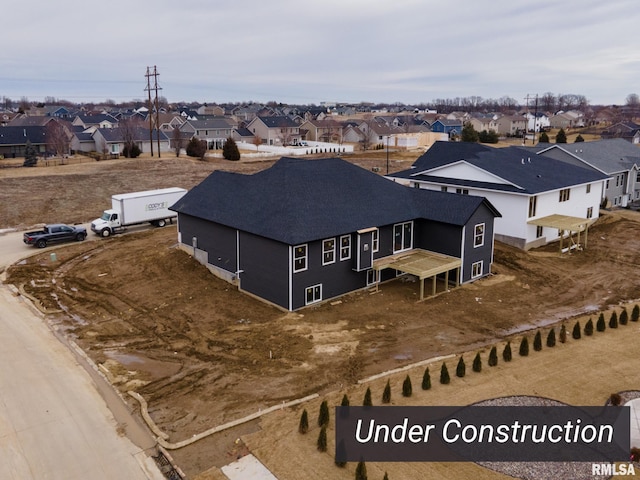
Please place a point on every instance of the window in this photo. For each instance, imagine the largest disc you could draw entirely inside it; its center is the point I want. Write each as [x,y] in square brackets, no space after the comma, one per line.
[478,235]
[476,269]
[443,189]
[402,237]
[372,277]
[533,203]
[607,186]
[617,180]
[299,258]
[463,191]
[345,247]
[313,294]
[539,230]
[416,185]
[588,188]
[590,212]
[328,251]
[564,194]
[375,244]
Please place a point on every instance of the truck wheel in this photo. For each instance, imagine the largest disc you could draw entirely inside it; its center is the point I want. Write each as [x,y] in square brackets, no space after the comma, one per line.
[80,237]
[105,232]
[161,223]
[41,243]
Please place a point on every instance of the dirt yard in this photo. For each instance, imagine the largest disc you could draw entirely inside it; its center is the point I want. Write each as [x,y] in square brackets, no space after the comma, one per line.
[203,354]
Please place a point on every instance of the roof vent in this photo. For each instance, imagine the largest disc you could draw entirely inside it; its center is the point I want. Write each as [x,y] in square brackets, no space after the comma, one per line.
[522,161]
[529,159]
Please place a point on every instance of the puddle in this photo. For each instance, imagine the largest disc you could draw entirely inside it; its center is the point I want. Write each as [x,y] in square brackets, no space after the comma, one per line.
[155,368]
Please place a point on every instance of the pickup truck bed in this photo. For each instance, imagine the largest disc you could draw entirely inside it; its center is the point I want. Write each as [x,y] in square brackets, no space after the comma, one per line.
[55,233]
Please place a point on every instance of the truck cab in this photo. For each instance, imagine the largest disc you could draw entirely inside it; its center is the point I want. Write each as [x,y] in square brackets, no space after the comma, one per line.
[107,223]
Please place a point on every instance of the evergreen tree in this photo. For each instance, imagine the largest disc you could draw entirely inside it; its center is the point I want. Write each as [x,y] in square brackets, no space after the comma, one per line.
[576,331]
[323,415]
[322,439]
[407,389]
[588,328]
[537,341]
[488,136]
[461,369]
[426,379]
[563,334]
[544,138]
[613,321]
[345,401]
[197,148]
[579,139]
[30,155]
[551,338]
[230,150]
[635,313]
[624,317]
[524,347]
[386,394]
[367,398]
[386,476]
[493,357]
[469,134]
[303,426]
[361,471]
[561,137]
[477,363]
[506,353]
[600,325]
[444,374]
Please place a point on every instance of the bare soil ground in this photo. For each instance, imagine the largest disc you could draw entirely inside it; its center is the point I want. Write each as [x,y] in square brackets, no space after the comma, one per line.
[202,353]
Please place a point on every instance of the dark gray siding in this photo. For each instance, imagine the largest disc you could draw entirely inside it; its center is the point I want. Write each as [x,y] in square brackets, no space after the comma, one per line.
[217,240]
[264,266]
[475,254]
[438,237]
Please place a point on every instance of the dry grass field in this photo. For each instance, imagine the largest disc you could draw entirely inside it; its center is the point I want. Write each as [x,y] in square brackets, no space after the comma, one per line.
[202,353]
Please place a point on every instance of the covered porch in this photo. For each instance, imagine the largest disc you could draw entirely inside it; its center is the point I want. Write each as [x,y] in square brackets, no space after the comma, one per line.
[566,223]
[423,264]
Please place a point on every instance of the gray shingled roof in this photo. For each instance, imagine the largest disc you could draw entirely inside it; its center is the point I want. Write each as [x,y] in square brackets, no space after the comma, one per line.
[278,121]
[524,171]
[301,200]
[20,135]
[609,156]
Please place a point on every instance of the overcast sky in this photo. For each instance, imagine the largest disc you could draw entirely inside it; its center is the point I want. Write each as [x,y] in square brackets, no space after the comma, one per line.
[294,51]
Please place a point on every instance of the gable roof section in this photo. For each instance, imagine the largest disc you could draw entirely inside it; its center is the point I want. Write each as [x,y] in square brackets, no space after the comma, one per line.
[37,135]
[278,122]
[609,156]
[300,200]
[524,173]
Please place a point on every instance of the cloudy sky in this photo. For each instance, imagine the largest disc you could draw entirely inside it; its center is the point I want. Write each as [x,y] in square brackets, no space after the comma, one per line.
[296,51]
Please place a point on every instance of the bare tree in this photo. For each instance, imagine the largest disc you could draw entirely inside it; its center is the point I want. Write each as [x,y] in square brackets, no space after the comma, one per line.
[57,138]
[177,140]
[257,141]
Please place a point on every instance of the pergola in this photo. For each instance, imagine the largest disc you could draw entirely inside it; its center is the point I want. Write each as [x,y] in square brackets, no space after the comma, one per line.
[566,223]
[423,264]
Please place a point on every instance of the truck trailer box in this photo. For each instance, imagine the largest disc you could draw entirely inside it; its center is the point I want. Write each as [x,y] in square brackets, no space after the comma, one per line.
[147,206]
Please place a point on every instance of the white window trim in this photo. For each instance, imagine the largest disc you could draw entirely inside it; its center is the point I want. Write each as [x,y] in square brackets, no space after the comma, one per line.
[475,235]
[394,237]
[306,258]
[473,265]
[375,240]
[312,288]
[348,248]
[376,277]
[332,251]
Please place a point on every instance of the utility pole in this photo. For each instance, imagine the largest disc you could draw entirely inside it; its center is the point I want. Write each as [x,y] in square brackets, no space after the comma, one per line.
[535,118]
[153,106]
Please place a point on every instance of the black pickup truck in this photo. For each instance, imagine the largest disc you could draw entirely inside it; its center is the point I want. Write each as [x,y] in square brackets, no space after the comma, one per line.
[54,234]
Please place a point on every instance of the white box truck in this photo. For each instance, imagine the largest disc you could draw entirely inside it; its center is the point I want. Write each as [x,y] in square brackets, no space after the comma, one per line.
[128,209]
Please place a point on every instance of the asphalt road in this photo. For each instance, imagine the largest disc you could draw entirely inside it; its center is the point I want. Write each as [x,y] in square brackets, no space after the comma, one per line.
[57,419]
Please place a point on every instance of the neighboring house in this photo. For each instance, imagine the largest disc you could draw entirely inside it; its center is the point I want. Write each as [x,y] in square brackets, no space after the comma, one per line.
[328,131]
[453,128]
[629,131]
[214,131]
[112,140]
[616,158]
[242,134]
[82,140]
[511,125]
[538,121]
[13,140]
[484,122]
[532,192]
[305,231]
[276,130]
[563,120]
[102,120]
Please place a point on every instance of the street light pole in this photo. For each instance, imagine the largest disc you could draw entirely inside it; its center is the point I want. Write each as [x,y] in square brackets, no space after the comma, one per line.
[387,154]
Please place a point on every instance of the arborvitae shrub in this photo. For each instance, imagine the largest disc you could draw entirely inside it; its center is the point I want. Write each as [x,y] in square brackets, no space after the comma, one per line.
[506,353]
[563,334]
[635,313]
[576,331]
[493,357]
[477,363]
[426,379]
[407,389]
[323,415]
[537,341]
[386,394]
[461,369]
[303,427]
[322,439]
[444,374]
[386,476]
[588,328]
[615,399]
[524,347]
[600,325]
[345,401]
[361,471]
[624,317]
[613,321]
[367,398]
[551,338]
